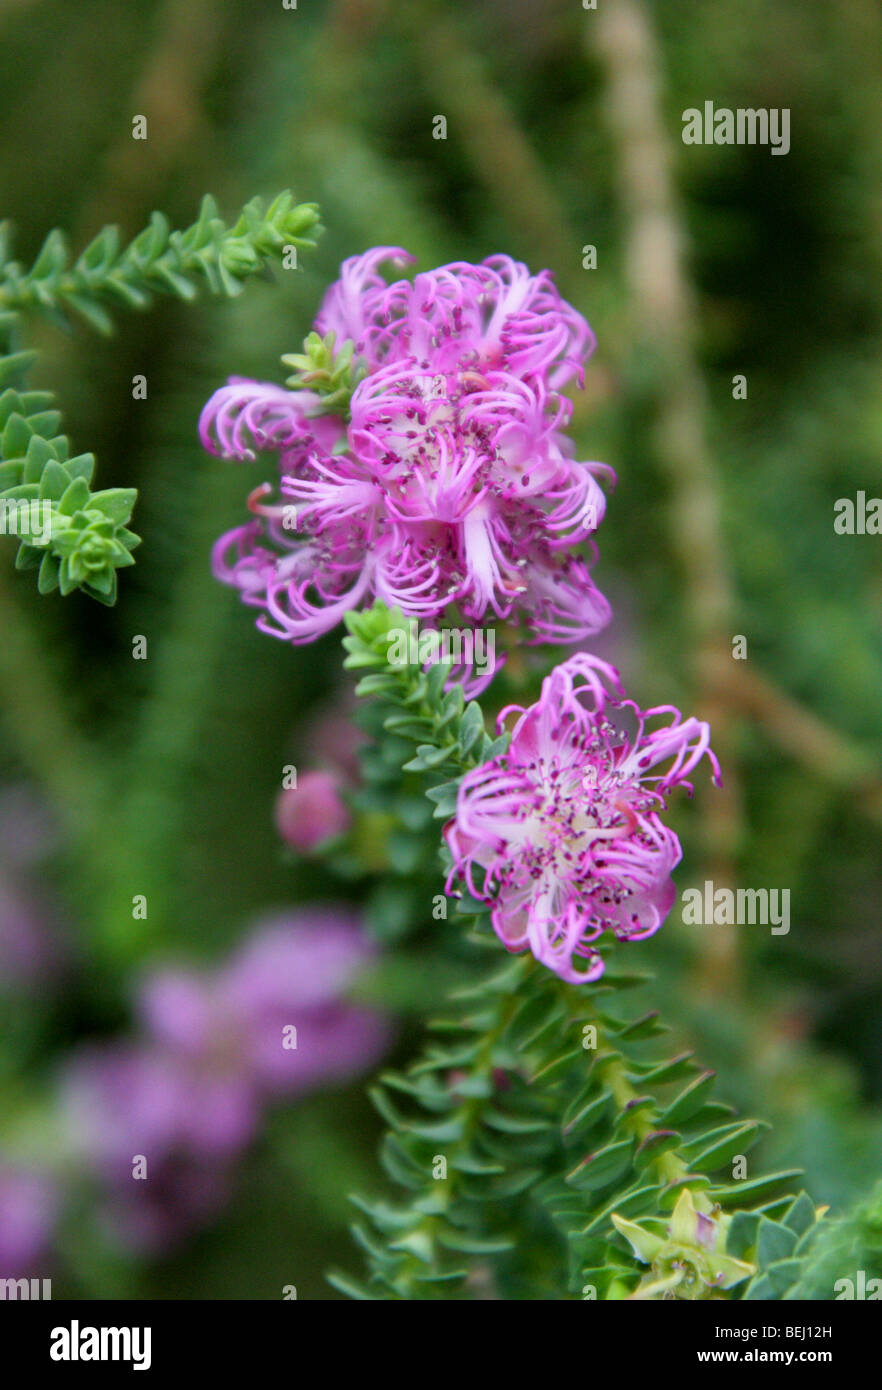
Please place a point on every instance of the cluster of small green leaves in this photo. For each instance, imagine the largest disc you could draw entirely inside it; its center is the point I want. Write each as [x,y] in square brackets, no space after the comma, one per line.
[537,1105]
[78,538]
[449,733]
[331,373]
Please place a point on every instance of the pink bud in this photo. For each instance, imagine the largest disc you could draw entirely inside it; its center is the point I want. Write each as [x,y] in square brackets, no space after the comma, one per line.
[312,812]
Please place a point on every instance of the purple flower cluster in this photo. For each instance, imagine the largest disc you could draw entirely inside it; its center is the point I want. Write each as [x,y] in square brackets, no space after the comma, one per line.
[453,481]
[28,1208]
[161,1122]
[453,484]
[561,833]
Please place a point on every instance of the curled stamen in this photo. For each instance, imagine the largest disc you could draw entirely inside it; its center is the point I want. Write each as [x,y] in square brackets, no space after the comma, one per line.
[283,511]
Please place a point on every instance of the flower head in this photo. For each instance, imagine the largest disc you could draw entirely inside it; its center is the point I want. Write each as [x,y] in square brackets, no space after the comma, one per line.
[561,833]
[449,481]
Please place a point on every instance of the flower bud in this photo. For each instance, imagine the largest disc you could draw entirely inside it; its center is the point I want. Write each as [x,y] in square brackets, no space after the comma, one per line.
[312,812]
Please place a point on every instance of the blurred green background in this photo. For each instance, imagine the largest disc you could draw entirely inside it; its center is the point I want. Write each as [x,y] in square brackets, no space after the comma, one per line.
[563,131]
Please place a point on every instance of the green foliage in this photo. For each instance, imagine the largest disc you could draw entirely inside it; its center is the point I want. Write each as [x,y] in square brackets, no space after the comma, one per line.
[800,1259]
[510,1118]
[78,538]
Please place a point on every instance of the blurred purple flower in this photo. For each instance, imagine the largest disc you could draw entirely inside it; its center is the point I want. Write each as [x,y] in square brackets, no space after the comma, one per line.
[290,975]
[28,1207]
[27,833]
[26,950]
[216,1046]
[125,1106]
[294,972]
[335,739]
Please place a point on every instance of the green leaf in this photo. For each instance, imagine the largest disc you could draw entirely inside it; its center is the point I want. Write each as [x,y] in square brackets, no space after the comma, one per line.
[352,1288]
[587,1110]
[471,727]
[604,1167]
[515,1124]
[16,437]
[748,1192]
[675,1070]
[47,580]
[658,1142]
[783,1275]
[689,1101]
[774,1242]
[559,1065]
[469,1244]
[15,364]
[76,496]
[116,503]
[648,1026]
[54,481]
[801,1216]
[721,1145]
[633,1203]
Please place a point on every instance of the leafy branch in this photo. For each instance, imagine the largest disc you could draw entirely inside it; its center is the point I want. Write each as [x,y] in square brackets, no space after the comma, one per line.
[158,261]
[544,1107]
[76,537]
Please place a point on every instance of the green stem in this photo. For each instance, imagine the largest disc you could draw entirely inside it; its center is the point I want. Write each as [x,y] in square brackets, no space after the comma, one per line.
[422,1238]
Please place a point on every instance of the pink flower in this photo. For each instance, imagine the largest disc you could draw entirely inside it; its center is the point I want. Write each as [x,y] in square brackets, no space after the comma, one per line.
[312,812]
[453,483]
[495,314]
[564,825]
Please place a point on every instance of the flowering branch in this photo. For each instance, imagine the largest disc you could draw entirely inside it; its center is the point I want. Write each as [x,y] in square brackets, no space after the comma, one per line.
[540,1108]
